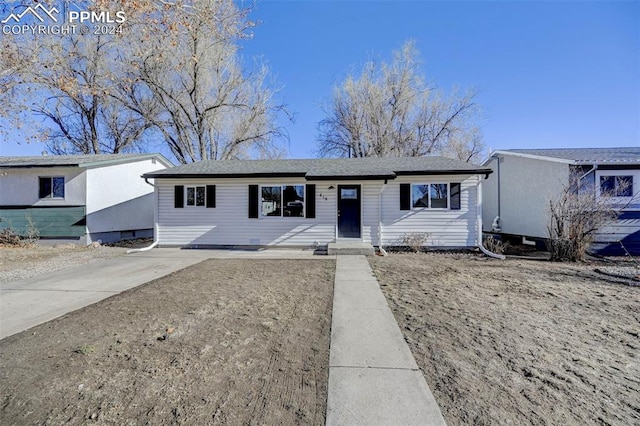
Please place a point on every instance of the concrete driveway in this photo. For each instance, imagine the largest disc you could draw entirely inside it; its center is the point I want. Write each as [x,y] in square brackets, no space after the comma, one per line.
[32,301]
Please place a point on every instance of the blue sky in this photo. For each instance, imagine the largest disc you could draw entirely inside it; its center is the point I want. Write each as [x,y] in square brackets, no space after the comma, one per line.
[550,74]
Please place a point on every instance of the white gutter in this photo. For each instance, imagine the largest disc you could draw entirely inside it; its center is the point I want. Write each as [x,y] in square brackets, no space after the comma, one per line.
[479,207]
[382,250]
[529,156]
[593,169]
[155,222]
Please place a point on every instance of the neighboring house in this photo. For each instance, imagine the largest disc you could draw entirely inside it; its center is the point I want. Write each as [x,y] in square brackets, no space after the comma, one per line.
[83,198]
[307,203]
[525,180]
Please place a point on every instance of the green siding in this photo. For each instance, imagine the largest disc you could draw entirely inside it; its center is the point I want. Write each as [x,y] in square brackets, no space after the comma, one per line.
[50,221]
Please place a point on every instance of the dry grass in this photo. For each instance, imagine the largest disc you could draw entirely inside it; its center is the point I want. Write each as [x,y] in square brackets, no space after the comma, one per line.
[518,342]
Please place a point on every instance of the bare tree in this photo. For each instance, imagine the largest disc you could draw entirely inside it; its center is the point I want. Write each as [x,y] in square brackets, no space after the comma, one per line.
[389,110]
[175,72]
[576,215]
[207,106]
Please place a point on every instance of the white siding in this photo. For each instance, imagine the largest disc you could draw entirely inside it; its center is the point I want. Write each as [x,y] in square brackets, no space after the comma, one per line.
[118,199]
[627,227]
[20,187]
[447,228]
[228,222]
[626,203]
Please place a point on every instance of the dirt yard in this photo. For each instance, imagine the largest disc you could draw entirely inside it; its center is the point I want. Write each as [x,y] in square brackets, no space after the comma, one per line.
[25,262]
[516,341]
[222,342]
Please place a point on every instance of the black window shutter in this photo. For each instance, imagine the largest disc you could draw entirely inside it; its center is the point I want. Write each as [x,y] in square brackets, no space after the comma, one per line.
[211,196]
[455,196]
[253,201]
[178,196]
[310,201]
[44,189]
[405,196]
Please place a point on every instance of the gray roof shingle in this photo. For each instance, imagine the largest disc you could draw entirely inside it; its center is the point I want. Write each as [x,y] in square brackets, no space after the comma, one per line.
[76,160]
[322,168]
[630,155]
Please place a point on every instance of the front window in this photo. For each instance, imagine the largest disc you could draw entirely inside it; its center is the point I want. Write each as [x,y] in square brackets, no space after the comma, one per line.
[51,187]
[196,196]
[293,200]
[283,200]
[431,195]
[271,201]
[616,186]
[439,196]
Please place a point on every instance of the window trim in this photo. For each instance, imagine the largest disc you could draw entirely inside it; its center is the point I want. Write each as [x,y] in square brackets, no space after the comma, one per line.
[615,185]
[282,186]
[195,196]
[448,184]
[51,196]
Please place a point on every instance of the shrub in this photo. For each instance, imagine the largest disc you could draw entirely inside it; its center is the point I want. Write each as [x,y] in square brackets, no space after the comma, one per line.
[9,237]
[495,245]
[415,241]
[574,218]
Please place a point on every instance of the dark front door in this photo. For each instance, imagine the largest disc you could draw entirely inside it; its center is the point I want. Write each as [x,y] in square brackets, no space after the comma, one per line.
[349,211]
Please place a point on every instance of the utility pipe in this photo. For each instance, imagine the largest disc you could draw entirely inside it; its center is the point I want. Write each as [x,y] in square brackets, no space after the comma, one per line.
[479,207]
[380,249]
[147,248]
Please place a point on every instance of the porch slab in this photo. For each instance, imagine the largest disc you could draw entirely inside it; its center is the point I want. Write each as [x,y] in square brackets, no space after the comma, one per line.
[349,247]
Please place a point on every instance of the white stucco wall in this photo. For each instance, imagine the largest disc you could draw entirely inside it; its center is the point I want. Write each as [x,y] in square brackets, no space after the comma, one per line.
[490,196]
[20,187]
[526,186]
[118,199]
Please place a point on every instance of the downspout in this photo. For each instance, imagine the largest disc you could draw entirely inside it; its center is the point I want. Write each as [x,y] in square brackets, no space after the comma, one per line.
[593,169]
[155,222]
[479,207]
[497,157]
[380,248]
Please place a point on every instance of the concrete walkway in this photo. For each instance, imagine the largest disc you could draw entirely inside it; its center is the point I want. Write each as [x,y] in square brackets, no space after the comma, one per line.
[373,378]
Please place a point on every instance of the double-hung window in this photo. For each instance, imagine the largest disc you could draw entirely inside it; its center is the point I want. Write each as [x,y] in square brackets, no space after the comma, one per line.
[430,195]
[196,196]
[616,186]
[282,200]
[51,187]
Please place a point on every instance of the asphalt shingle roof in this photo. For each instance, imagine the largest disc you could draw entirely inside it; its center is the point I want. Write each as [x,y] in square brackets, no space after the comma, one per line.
[629,155]
[75,160]
[321,168]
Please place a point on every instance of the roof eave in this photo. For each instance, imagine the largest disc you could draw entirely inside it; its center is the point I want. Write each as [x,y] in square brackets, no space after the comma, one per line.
[445,172]
[350,177]
[219,175]
[36,166]
[116,161]
[530,156]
